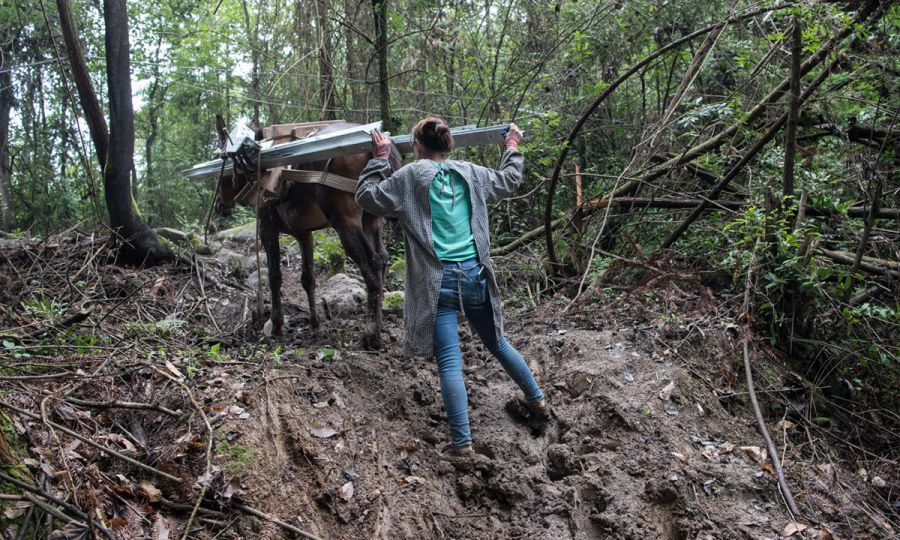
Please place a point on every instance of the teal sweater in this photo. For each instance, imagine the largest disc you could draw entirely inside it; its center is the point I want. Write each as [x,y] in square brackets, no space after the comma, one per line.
[451,216]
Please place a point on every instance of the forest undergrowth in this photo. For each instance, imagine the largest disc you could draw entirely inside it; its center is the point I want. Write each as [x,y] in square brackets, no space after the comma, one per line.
[145,403]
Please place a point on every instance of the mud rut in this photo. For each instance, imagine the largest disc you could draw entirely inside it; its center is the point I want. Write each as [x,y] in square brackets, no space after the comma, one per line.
[638,447]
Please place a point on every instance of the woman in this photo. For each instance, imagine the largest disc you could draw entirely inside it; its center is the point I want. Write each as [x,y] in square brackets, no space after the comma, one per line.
[442,206]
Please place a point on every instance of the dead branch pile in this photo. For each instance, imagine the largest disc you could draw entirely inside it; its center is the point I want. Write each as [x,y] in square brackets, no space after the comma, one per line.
[104,435]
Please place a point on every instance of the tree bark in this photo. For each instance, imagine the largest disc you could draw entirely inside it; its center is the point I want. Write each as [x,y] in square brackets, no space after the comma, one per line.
[7,212]
[254,58]
[137,243]
[380,12]
[326,70]
[790,135]
[93,114]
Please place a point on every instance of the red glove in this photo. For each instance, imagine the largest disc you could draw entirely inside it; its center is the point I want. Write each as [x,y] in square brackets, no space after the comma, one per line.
[514,137]
[382,144]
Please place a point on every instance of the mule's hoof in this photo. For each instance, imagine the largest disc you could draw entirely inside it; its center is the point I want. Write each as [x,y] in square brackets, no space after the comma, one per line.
[270,329]
[372,342]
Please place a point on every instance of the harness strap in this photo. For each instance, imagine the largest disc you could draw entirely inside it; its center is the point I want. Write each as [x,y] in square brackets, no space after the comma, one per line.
[318,177]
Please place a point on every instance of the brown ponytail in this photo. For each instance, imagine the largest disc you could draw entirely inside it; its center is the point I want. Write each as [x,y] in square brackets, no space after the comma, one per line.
[433,134]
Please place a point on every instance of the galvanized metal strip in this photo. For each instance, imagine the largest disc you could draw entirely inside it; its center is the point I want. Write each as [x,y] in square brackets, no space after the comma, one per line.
[356,140]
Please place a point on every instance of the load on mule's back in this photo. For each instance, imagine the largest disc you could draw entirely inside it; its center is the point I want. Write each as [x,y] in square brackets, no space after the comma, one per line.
[298,208]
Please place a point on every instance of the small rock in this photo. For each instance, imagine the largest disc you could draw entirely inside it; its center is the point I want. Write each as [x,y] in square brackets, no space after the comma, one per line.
[323,433]
[878,482]
[346,491]
[666,393]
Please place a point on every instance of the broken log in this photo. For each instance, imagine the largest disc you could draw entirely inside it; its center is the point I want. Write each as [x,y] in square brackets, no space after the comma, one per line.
[871,265]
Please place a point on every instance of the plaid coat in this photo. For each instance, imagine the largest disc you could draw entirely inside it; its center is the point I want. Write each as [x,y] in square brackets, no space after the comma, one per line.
[403,195]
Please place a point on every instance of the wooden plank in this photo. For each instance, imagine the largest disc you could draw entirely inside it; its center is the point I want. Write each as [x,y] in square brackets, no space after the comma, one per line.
[278,131]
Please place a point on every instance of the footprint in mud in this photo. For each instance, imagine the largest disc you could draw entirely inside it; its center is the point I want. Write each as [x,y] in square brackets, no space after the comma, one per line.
[518,410]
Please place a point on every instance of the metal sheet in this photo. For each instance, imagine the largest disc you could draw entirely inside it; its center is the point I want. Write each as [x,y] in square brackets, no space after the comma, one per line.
[355,140]
[463,137]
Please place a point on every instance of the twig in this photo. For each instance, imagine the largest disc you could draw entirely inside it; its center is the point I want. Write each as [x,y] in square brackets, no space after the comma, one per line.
[200,280]
[122,405]
[262,515]
[209,445]
[89,442]
[182,507]
[37,491]
[53,511]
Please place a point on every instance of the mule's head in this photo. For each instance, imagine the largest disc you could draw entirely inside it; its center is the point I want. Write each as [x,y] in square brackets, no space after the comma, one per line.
[229,185]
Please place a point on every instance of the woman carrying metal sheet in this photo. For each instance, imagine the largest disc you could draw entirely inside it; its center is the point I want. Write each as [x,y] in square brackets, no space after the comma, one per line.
[442,206]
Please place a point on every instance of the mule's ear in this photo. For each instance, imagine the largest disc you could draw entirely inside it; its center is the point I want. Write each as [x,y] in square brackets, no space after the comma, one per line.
[220,129]
[257,131]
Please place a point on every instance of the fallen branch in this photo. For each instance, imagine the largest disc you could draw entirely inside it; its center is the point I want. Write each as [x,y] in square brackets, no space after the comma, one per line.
[748,371]
[710,144]
[672,203]
[871,265]
[262,515]
[747,157]
[576,129]
[524,239]
[89,442]
[132,405]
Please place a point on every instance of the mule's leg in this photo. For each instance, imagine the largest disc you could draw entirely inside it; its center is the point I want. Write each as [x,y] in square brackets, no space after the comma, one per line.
[268,235]
[357,246]
[308,277]
[374,227]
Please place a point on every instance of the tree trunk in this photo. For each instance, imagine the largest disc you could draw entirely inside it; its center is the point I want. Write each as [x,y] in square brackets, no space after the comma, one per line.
[7,213]
[380,12]
[93,114]
[326,70]
[358,88]
[254,58]
[790,136]
[137,243]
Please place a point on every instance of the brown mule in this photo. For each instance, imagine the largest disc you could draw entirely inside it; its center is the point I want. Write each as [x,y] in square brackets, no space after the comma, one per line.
[304,208]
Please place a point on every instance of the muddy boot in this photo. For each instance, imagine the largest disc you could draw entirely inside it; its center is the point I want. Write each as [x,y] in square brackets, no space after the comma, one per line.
[534,415]
[464,458]
[452,451]
[538,410]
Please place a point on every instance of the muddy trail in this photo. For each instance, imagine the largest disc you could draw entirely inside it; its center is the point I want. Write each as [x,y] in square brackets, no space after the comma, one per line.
[650,434]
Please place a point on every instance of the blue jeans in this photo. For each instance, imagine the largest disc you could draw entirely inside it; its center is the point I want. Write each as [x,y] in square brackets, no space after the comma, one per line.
[465,287]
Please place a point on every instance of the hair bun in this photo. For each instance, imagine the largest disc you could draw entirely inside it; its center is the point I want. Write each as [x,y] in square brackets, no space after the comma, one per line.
[433,134]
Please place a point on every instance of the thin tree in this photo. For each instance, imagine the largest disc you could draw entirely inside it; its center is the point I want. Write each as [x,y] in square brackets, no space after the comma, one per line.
[136,243]
[7,213]
[380,12]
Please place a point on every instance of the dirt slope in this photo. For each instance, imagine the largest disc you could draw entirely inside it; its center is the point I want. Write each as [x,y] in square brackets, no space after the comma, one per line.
[642,442]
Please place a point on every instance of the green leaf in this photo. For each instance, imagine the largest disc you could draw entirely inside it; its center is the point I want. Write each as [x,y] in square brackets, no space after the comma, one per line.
[326,353]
